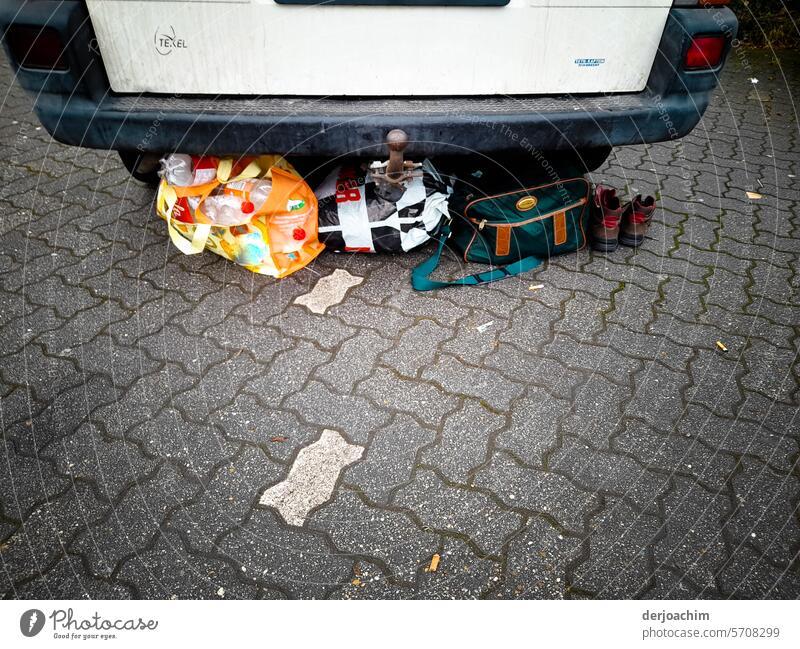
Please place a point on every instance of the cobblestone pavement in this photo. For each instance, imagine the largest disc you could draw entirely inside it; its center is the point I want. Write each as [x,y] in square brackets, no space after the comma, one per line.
[586,439]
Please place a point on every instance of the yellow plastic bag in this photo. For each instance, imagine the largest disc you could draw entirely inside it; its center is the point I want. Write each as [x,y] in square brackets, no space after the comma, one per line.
[277,239]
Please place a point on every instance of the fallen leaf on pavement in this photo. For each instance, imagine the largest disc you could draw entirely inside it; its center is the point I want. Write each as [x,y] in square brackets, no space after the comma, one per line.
[279,438]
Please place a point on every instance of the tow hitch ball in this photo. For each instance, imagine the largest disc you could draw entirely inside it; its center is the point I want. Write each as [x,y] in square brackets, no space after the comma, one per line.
[393,174]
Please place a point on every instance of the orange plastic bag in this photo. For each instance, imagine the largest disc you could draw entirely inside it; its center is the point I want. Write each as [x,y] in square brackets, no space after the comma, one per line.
[277,238]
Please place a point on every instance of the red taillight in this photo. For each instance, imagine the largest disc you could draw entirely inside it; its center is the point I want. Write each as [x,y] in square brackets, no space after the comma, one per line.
[704,52]
[39,48]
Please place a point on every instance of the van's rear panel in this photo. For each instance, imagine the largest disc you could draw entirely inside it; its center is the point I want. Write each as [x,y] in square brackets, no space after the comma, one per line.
[259,47]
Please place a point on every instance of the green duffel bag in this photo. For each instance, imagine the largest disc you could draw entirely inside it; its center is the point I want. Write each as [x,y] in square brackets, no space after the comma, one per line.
[513,232]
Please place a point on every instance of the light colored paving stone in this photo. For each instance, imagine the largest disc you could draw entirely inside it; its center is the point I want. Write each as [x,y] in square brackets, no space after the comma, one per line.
[312,477]
[328,291]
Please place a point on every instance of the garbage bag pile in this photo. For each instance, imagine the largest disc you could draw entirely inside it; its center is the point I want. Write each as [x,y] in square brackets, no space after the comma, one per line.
[260,213]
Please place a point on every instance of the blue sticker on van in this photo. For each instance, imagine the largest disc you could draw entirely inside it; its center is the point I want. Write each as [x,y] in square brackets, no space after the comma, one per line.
[589,63]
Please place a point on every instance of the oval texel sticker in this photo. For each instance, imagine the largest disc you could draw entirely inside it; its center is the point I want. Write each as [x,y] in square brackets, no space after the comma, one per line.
[526,203]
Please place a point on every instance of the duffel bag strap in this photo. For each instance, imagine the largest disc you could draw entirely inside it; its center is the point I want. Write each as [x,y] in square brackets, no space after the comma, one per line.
[421,281]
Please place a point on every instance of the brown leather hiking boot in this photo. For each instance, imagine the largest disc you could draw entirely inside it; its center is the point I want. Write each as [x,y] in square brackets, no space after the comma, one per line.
[636,220]
[606,216]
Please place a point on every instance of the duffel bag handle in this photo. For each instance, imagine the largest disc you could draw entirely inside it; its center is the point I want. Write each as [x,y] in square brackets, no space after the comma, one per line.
[421,281]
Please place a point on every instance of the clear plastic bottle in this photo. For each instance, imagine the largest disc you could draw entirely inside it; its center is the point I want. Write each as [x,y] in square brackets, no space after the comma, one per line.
[183,170]
[235,202]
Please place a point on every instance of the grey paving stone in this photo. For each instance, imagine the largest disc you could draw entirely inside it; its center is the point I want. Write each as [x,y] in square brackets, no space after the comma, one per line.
[715,378]
[195,448]
[46,533]
[772,414]
[419,398]
[609,473]
[301,563]
[425,306]
[354,416]
[633,307]
[45,376]
[458,511]
[652,346]
[606,380]
[582,315]
[620,548]
[36,425]
[462,574]
[217,388]
[287,373]
[682,299]
[123,365]
[534,426]
[485,385]
[227,499]
[693,543]
[537,563]
[770,370]
[748,576]
[594,359]
[192,353]
[766,516]
[142,400]
[390,537]
[486,298]
[596,412]
[534,370]
[658,396]
[735,436]
[475,337]
[25,482]
[168,571]
[385,320]
[324,330]
[416,348]
[66,300]
[149,318]
[389,459]
[353,361]
[532,326]
[279,432]
[675,454]
[134,522]
[538,491]
[464,441]
[110,464]
[68,580]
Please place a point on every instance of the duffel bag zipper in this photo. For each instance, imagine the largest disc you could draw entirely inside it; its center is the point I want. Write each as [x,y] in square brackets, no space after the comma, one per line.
[482,223]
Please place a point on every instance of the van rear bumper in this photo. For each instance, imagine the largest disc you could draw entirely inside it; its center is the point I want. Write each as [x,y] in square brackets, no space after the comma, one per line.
[332,127]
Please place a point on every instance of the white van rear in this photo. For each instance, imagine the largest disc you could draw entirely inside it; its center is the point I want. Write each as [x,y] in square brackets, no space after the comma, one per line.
[257,47]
